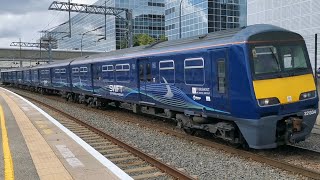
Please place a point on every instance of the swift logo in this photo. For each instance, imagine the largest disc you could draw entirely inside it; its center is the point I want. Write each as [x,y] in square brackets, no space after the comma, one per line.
[116,88]
[169,92]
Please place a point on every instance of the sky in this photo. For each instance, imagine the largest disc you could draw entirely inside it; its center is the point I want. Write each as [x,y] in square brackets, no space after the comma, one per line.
[25,18]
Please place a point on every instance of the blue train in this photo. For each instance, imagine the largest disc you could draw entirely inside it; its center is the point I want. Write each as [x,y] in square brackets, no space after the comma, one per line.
[250,86]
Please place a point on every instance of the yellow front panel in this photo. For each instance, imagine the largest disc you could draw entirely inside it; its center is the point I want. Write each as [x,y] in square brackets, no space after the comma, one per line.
[287,89]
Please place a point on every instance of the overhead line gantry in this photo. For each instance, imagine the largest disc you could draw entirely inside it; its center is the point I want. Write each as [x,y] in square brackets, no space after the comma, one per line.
[97,9]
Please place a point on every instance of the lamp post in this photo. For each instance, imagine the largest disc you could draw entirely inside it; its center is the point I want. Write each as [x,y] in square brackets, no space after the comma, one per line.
[81,42]
[180,19]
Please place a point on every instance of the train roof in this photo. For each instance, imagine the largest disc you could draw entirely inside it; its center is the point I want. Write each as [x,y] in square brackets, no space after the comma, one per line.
[55,64]
[220,38]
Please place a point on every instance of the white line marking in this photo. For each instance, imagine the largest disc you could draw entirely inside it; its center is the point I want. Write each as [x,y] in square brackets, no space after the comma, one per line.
[69,156]
[103,160]
[25,108]
[74,162]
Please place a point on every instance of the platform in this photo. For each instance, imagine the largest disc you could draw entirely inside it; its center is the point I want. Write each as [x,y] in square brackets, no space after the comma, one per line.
[36,146]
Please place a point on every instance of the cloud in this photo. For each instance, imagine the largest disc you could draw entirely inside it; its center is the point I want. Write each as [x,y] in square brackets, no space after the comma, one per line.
[24,26]
[24,6]
[25,18]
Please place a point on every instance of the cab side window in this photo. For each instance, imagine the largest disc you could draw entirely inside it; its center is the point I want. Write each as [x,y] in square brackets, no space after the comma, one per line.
[221,76]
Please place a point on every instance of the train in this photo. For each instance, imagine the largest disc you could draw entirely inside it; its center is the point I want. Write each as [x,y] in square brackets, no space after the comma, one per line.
[251,86]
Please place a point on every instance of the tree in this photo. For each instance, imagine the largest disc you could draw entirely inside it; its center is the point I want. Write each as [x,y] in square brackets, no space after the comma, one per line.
[163,38]
[142,39]
[138,40]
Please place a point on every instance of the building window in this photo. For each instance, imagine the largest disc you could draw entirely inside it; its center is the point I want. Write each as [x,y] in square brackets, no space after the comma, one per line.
[194,71]
[123,72]
[169,11]
[156,4]
[167,71]
[57,71]
[221,76]
[171,26]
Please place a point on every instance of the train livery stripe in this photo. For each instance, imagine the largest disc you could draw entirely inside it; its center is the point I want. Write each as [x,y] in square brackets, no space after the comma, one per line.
[8,163]
[287,89]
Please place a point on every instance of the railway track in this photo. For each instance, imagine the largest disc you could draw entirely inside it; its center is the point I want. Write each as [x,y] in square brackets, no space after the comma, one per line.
[278,163]
[131,160]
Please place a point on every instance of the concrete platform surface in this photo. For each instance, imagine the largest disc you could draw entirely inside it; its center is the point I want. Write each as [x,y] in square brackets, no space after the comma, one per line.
[39,147]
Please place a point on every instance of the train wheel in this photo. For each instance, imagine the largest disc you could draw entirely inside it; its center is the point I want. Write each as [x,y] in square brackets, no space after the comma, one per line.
[189,131]
[117,104]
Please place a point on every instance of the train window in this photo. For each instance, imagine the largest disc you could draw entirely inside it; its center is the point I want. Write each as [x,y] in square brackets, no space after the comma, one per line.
[293,57]
[194,71]
[107,68]
[265,59]
[123,72]
[83,69]
[167,71]
[141,72]
[221,76]
[75,70]
[108,74]
[44,71]
[148,72]
[63,71]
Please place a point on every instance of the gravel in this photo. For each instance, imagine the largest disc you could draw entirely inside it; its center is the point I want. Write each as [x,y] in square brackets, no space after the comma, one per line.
[204,162]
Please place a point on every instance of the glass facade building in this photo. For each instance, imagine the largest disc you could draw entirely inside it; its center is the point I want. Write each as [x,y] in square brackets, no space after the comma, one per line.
[301,16]
[203,16]
[88,30]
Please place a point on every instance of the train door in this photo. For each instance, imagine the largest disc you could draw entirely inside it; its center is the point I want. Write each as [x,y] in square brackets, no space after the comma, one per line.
[220,94]
[96,76]
[144,79]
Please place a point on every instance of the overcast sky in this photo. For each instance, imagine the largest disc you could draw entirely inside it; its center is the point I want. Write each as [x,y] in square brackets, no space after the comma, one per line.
[25,18]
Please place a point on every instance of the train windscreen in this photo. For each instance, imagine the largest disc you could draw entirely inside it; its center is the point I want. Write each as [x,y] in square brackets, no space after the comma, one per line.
[276,59]
[279,60]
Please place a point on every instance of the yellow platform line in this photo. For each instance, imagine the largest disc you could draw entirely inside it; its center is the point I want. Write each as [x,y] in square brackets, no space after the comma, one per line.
[8,163]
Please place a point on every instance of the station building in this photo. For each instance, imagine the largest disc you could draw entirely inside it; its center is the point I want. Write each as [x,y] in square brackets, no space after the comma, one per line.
[148,18]
[203,16]
[301,16]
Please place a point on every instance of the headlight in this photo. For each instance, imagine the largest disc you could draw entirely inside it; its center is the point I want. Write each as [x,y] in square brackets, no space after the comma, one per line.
[268,101]
[307,95]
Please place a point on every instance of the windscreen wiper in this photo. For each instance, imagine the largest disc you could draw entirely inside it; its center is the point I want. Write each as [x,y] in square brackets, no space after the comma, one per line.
[276,58]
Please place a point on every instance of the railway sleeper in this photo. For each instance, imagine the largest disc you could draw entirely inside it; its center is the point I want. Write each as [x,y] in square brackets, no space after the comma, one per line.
[92,141]
[131,164]
[140,169]
[128,158]
[117,154]
[106,147]
[91,138]
[107,151]
[103,143]
[150,175]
